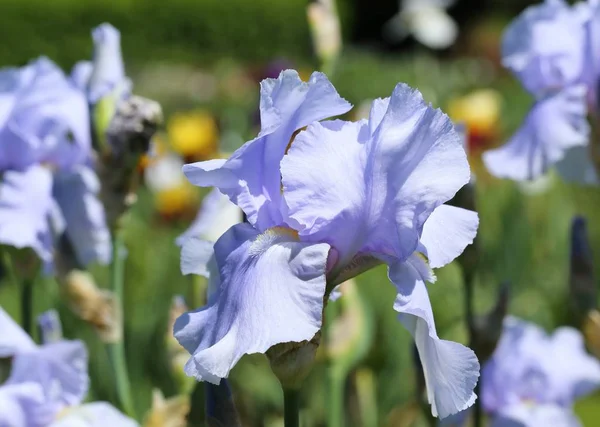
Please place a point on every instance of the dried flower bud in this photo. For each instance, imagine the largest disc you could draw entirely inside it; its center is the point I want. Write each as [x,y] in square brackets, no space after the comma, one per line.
[171,412]
[128,136]
[93,305]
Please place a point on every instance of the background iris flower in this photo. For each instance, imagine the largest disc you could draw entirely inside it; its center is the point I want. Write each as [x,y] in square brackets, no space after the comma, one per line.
[533,379]
[325,205]
[550,49]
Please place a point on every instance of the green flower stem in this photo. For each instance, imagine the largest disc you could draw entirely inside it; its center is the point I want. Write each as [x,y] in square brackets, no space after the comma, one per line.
[335,377]
[335,397]
[116,350]
[291,408]
[27,305]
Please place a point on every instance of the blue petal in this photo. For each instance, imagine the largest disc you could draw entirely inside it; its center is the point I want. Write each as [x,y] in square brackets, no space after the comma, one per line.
[530,365]
[447,232]
[369,188]
[50,327]
[96,414]
[23,405]
[25,207]
[527,415]
[578,167]
[77,195]
[13,339]
[48,120]
[271,292]
[544,47]
[109,72]
[80,75]
[554,125]
[251,177]
[215,216]
[60,368]
[451,370]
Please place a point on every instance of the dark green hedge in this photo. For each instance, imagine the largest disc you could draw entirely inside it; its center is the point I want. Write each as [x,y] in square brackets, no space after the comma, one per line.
[187,30]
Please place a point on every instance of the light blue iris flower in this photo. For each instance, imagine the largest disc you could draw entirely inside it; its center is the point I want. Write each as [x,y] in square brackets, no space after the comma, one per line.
[533,379]
[324,205]
[43,380]
[551,49]
[96,414]
[45,119]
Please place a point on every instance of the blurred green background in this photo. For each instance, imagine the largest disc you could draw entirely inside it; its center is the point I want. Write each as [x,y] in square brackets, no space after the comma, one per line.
[206,57]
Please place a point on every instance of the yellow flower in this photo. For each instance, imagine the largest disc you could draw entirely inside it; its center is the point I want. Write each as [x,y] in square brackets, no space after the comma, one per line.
[194,134]
[478,110]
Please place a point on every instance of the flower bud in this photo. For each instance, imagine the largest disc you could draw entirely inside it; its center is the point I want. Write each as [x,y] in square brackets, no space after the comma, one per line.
[291,362]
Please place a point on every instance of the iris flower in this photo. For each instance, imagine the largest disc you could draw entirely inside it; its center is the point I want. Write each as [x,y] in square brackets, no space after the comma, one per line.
[96,414]
[533,379]
[550,48]
[45,120]
[324,204]
[43,379]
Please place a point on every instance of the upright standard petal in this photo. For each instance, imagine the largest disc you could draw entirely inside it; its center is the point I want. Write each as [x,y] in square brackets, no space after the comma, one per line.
[251,177]
[554,125]
[215,216]
[108,70]
[544,47]
[96,414]
[25,207]
[13,339]
[80,75]
[451,370]
[381,180]
[272,289]
[76,193]
[60,368]
[22,405]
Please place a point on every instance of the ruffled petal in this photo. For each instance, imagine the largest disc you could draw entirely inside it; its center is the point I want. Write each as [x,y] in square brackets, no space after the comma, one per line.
[76,193]
[554,125]
[382,182]
[251,177]
[544,47]
[25,206]
[96,414]
[109,72]
[48,122]
[23,405]
[60,368]
[13,339]
[271,292]
[216,215]
[451,369]
[447,232]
